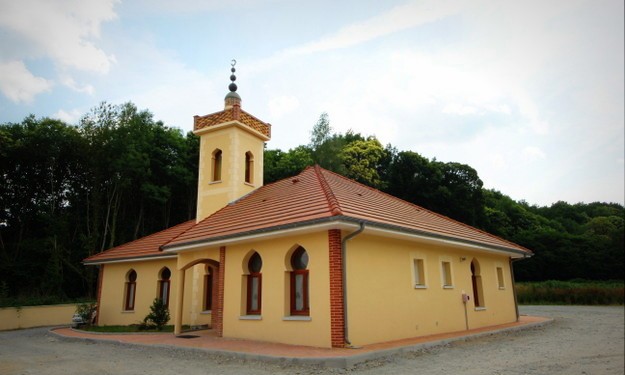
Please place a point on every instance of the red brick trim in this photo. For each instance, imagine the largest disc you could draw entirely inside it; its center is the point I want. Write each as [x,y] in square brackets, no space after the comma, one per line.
[100,277]
[218,312]
[337,322]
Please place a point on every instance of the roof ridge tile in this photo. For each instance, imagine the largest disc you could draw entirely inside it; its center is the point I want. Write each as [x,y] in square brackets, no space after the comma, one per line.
[333,202]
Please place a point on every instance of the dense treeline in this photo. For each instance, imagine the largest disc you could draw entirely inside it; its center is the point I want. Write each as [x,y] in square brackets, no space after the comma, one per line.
[67,192]
[569,240]
[71,191]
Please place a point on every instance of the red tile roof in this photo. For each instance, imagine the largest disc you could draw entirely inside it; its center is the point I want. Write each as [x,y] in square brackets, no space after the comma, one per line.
[314,196]
[145,247]
[318,195]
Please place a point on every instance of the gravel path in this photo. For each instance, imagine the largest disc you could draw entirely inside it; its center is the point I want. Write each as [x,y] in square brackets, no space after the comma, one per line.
[581,340]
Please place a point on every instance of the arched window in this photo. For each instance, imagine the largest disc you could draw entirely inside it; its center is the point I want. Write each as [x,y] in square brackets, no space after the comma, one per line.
[131,290]
[476,281]
[249,167]
[163,286]
[299,282]
[208,289]
[217,156]
[254,284]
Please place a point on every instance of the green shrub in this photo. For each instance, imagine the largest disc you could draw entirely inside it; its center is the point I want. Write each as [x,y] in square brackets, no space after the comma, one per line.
[158,316]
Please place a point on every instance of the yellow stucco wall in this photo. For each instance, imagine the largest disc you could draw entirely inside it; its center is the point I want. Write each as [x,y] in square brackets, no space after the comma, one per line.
[113,291]
[234,142]
[384,305]
[273,327]
[36,316]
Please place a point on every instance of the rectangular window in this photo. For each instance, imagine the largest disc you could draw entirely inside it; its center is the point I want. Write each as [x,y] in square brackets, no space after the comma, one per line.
[500,281]
[419,273]
[446,275]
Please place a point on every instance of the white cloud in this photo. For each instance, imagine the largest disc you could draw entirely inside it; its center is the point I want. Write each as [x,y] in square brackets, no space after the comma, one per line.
[460,109]
[406,16]
[281,105]
[20,85]
[62,30]
[69,82]
[533,153]
[70,117]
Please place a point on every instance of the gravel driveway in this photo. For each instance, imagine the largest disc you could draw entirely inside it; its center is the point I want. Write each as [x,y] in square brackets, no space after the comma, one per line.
[581,340]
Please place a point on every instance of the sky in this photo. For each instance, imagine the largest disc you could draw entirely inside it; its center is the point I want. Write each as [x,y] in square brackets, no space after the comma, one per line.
[529,93]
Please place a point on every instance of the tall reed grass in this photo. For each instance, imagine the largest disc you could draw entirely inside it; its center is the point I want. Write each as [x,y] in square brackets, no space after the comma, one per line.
[574,292]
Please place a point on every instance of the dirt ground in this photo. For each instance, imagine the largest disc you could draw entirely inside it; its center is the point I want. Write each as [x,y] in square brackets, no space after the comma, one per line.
[581,340]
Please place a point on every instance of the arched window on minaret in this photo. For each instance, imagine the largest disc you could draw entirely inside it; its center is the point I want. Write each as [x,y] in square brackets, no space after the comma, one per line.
[216,164]
[249,167]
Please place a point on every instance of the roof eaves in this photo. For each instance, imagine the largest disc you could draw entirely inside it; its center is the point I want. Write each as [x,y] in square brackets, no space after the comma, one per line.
[130,259]
[255,232]
[218,240]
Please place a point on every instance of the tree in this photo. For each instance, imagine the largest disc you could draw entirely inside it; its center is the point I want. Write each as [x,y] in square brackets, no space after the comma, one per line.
[361,160]
[321,132]
[326,147]
[279,165]
[69,192]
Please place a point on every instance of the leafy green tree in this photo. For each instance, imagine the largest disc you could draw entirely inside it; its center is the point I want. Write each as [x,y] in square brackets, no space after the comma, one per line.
[69,192]
[361,159]
[279,165]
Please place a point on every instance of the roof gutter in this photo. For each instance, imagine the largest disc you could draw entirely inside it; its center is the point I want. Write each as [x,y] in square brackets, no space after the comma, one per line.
[345,222]
[344,277]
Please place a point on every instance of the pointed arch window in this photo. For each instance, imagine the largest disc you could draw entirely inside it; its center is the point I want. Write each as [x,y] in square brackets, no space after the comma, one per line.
[216,165]
[299,283]
[164,284]
[249,167]
[254,284]
[131,290]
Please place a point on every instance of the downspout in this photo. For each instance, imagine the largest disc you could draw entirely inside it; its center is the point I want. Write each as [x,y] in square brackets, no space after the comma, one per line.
[516,303]
[344,277]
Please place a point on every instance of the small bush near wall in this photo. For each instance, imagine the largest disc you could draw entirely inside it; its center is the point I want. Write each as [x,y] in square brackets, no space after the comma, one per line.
[574,292]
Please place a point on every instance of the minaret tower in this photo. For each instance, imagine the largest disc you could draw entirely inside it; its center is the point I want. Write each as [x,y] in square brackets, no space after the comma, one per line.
[231,153]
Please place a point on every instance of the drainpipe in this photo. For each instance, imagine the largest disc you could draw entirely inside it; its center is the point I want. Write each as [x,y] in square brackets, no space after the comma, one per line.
[516,303]
[344,277]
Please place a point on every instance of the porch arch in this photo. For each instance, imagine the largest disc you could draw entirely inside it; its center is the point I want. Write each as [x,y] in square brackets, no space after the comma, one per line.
[216,316]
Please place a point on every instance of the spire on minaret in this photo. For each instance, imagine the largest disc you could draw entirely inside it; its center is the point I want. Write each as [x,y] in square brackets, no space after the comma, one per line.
[232,98]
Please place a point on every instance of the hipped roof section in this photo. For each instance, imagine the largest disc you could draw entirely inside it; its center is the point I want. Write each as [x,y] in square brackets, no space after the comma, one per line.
[317,195]
[143,248]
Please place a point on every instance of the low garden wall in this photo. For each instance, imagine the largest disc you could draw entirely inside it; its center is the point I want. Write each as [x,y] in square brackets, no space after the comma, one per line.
[36,316]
